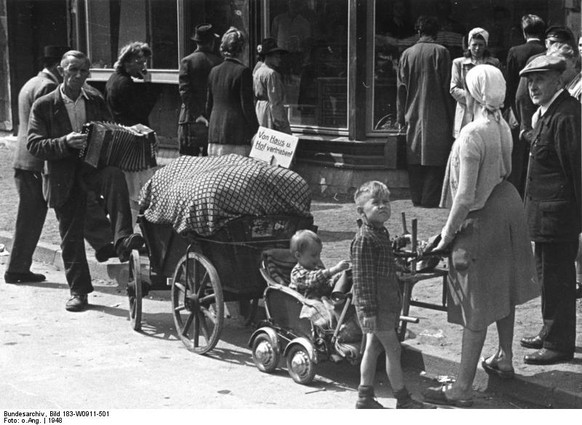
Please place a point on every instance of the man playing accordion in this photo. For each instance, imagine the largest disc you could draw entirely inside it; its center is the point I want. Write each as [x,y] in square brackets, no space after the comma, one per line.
[54,135]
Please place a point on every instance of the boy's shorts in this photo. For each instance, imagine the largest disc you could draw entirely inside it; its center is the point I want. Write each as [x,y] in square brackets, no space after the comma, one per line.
[385,321]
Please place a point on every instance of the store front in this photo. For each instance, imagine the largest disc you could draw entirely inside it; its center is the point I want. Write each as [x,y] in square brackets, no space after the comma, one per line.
[340,75]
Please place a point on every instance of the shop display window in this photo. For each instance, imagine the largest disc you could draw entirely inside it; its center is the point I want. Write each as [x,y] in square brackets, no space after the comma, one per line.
[315,32]
[114,23]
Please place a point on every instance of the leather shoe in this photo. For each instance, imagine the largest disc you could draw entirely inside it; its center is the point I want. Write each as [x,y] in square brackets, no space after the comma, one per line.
[127,244]
[546,356]
[77,302]
[535,342]
[106,252]
[23,277]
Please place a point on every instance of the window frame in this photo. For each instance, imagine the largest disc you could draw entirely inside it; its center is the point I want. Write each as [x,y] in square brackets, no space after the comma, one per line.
[167,76]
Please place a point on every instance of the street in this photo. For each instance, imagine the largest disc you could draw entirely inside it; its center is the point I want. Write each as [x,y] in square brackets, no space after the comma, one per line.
[54,359]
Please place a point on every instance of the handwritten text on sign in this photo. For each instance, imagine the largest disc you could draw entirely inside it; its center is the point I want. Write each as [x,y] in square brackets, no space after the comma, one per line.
[274,147]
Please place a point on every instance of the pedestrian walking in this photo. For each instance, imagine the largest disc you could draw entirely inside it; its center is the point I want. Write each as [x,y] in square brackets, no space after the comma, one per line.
[230,104]
[54,135]
[131,103]
[533,29]
[269,88]
[193,87]
[425,111]
[476,53]
[28,178]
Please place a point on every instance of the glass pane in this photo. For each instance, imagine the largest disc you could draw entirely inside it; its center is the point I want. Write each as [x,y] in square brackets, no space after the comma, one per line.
[315,70]
[222,14]
[394,32]
[114,23]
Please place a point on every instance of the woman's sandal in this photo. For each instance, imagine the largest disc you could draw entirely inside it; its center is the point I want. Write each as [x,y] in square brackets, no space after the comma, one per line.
[437,395]
[493,370]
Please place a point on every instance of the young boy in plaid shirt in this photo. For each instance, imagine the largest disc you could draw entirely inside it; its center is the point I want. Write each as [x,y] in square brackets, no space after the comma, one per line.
[377,296]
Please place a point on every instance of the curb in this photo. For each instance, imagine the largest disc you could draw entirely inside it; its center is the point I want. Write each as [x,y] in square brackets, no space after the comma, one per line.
[523,388]
[527,389]
[51,254]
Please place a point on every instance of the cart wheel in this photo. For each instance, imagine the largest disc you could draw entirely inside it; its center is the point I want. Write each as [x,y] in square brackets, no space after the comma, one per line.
[265,353]
[300,366]
[135,290]
[197,303]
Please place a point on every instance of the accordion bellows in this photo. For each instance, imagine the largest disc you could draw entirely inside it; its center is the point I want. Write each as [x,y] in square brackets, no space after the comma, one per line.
[128,148]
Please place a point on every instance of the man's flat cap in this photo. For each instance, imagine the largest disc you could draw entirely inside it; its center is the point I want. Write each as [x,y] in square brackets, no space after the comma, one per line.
[544,63]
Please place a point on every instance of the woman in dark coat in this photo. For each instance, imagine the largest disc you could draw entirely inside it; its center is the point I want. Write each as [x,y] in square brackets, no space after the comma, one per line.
[230,104]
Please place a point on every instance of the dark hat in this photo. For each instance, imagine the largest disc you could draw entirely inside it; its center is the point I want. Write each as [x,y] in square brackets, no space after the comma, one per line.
[544,63]
[203,33]
[559,34]
[268,46]
[54,52]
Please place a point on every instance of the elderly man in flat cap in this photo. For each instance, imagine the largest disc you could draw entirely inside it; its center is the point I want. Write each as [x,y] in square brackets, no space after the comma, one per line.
[193,79]
[552,202]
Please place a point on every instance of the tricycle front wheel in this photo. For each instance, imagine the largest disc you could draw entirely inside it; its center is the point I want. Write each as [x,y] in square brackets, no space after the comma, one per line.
[300,366]
[197,303]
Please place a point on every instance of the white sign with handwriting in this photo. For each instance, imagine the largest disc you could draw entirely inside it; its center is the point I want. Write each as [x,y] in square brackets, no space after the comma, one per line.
[274,147]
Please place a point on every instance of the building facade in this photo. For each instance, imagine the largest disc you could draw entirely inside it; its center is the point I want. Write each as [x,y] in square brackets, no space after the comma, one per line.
[340,75]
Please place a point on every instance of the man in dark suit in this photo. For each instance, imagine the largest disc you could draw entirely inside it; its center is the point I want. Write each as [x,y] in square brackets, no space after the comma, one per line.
[32,207]
[524,108]
[193,80]
[533,28]
[552,202]
[54,135]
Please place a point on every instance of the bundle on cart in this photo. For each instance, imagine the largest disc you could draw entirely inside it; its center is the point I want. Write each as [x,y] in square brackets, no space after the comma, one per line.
[202,194]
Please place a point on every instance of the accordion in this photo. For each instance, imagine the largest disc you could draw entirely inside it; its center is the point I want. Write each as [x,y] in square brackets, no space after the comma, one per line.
[128,148]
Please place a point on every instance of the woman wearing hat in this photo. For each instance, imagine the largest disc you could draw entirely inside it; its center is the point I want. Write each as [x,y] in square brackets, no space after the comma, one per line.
[491,266]
[230,103]
[475,54]
[269,88]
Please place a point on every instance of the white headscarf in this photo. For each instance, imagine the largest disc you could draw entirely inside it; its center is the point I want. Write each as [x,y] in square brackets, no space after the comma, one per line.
[479,31]
[485,84]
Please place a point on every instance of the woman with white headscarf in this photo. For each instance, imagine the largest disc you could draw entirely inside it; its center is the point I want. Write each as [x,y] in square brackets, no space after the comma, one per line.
[491,266]
[476,54]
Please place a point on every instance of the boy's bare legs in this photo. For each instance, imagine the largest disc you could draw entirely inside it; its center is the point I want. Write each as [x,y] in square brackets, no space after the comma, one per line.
[369,360]
[391,344]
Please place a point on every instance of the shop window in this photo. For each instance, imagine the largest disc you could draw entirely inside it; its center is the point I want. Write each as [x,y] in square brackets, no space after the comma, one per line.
[222,14]
[114,23]
[393,22]
[315,69]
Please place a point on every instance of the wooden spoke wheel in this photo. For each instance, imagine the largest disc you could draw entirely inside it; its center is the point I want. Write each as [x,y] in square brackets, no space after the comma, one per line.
[135,290]
[197,303]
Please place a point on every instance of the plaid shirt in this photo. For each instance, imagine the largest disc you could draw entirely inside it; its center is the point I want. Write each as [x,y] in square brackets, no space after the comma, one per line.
[374,270]
[310,283]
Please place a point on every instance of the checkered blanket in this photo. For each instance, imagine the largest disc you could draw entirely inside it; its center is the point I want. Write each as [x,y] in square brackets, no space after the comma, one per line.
[202,194]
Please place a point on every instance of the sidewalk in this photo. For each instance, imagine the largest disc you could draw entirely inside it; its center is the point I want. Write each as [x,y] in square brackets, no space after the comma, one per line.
[432,345]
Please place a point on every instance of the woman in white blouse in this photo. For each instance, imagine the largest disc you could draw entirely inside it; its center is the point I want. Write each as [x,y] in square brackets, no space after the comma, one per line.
[476,53]
[491,263]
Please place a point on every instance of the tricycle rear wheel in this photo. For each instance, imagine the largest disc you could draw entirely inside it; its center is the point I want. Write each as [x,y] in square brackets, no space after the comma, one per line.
[300,366]
[197,303]
[135,290]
